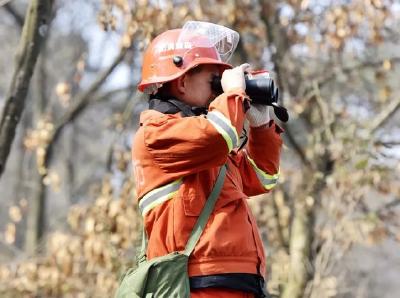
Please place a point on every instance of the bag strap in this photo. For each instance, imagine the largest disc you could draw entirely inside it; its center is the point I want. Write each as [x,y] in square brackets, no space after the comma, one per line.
[206,212]
[201,221]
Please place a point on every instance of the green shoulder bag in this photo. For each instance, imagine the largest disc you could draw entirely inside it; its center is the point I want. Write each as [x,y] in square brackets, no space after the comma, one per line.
[167,276]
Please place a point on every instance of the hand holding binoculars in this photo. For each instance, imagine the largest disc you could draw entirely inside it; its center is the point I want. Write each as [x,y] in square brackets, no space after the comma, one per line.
[261,89]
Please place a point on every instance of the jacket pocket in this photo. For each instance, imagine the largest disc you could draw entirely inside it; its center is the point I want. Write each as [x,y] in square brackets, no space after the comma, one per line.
[196,190]
[192,194]
[188,207]
[193,204]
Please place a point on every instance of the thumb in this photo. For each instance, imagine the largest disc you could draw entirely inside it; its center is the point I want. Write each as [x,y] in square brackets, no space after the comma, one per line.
[244,66]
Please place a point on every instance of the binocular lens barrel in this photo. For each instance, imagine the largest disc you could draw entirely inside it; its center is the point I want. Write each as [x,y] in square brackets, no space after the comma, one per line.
[261,90]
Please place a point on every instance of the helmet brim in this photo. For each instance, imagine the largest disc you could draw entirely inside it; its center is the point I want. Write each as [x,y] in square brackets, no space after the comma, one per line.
[199,61]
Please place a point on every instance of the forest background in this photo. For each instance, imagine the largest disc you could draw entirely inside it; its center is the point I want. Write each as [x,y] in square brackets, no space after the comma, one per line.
[69,109]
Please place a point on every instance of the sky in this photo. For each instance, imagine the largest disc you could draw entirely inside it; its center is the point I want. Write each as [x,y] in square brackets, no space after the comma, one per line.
[80,17]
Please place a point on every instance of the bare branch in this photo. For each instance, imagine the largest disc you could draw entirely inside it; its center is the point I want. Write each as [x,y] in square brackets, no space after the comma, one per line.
[387,144]
[126,115]
[326,120]
[384,115]
[296,146]
[275,37]
[350,69]
[80,102]
[4,2]
[15,14]
[33,34]
[282,241]
[112,93]
[388,206]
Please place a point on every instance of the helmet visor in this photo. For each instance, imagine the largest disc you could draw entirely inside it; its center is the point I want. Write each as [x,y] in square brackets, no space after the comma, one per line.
[197,34]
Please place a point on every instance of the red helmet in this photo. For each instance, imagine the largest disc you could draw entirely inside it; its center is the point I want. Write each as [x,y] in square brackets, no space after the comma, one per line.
[169,56]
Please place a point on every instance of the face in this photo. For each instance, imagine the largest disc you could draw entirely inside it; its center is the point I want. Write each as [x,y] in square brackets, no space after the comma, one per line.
[195,87]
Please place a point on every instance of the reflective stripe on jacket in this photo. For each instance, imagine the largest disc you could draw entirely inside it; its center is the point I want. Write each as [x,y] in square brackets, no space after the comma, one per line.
[176,160]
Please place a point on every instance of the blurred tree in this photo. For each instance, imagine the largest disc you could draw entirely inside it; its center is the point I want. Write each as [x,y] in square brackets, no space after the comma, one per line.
[312,46]
[34,31]
[336,63]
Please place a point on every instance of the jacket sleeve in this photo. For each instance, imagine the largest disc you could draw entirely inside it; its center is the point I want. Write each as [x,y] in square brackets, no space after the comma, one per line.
[259,162]
[192,144]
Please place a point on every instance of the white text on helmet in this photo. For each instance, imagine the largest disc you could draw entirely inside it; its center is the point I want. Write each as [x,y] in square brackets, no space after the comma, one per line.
[173,46]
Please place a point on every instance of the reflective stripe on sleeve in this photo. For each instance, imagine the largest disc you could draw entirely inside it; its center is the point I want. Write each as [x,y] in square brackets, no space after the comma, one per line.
[158,196]
[268,181]
[224,126]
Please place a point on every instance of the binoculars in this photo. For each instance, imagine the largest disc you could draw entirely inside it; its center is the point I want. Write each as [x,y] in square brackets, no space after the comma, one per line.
[261,89]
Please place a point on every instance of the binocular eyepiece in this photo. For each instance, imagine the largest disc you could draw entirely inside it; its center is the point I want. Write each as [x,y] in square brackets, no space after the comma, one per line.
[261,89]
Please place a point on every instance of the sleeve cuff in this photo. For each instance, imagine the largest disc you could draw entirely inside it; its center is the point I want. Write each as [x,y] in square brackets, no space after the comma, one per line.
[270,125]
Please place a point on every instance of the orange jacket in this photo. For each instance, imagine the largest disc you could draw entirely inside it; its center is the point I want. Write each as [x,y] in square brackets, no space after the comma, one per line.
[176,160]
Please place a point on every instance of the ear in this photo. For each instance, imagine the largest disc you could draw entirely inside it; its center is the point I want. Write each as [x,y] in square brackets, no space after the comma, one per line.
[181,84]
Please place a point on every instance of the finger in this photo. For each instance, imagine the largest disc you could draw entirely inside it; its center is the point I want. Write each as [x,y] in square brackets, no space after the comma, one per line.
[244,66]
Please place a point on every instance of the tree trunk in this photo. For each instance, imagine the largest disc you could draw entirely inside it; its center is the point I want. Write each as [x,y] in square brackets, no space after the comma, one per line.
[300,247]
[33,33]
[36,215]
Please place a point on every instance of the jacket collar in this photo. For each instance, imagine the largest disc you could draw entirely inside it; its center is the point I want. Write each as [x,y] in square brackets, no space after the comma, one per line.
[171,105]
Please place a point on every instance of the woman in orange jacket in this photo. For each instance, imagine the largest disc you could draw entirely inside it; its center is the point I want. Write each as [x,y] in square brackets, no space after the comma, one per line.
[185,136]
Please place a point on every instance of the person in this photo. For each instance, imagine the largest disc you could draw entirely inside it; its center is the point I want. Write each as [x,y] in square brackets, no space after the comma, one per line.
[184,138]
